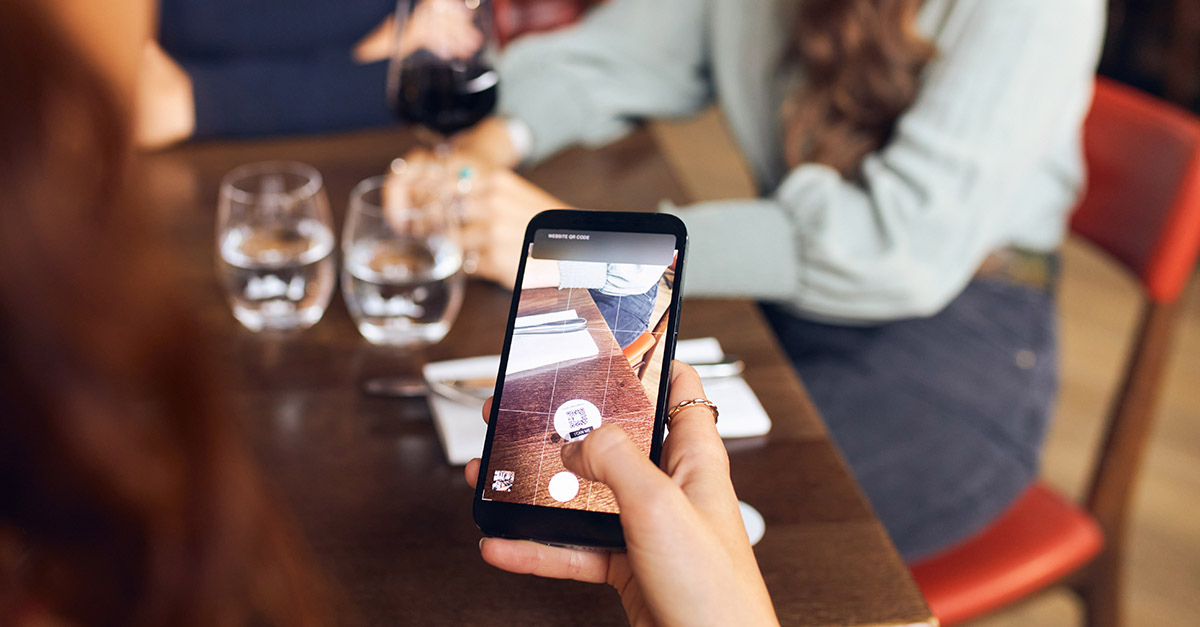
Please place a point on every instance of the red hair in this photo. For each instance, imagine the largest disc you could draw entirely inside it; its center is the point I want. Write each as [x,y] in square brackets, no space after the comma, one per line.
[127,496]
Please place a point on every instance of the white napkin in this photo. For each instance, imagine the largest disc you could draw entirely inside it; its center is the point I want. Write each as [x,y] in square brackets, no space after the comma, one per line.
[462,430]
[534,351]
[460,426]
[742,416]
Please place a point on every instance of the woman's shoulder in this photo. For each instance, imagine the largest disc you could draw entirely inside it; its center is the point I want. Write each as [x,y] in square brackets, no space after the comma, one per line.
[1057,21]
[1026,9]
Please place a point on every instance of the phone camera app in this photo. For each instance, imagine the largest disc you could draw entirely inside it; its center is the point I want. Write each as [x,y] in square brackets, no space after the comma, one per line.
[586,348]
[576,418]
[502,481]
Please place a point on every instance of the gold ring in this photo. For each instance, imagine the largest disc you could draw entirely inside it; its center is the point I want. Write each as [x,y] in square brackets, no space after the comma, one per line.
[693,403]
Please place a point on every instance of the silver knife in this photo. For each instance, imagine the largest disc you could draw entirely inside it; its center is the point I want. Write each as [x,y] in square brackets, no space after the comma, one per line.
[558,326]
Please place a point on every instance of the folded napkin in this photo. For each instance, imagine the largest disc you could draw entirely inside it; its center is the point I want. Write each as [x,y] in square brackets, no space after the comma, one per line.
[460,425]
[534,351]
[461,428]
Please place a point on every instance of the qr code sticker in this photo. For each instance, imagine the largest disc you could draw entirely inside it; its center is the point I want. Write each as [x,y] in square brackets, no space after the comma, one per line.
[577,422]
[502,481]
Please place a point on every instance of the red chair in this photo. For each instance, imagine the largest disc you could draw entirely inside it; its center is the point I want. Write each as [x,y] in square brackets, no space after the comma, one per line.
[518,17]
[641,351]
[1142,208]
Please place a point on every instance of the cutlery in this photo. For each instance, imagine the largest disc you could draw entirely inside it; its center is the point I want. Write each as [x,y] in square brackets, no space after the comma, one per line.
[558,326]
[473,390]
[412,387]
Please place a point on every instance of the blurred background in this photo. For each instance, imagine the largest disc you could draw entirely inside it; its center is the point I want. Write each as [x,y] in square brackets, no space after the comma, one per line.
[1153,45]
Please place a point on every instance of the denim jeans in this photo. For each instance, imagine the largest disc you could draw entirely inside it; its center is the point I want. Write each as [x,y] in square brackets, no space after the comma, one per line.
[627,316]
[942,418]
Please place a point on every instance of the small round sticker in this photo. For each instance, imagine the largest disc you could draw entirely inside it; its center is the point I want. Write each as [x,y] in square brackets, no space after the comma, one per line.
[575,419]
[564,486]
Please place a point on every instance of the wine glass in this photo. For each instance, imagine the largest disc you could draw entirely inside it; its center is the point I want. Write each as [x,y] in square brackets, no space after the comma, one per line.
[401,260]
[275,244]
[440,73]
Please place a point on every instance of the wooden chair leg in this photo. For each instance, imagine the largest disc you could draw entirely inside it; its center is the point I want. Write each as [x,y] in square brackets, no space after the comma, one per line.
[1183,53]
[1100,589]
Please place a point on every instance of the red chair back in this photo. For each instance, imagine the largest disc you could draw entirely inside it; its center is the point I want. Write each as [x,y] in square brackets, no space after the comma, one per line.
[518,17]
[1142,207]
[1143,200]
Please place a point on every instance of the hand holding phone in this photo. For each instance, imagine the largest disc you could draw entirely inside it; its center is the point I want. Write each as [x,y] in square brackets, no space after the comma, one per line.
[688,558]
[591,327]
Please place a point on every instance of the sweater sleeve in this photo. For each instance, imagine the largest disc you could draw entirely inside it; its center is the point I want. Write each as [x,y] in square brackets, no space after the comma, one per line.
[249,95]
[1011,84]
[628,59]
[614,279]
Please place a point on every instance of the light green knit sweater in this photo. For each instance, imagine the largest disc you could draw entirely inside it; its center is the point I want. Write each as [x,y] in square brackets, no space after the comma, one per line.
[988,156]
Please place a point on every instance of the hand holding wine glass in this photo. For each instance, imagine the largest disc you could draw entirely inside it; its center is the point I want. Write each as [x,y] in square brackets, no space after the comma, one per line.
[444,27]
[440,74]
[495,213]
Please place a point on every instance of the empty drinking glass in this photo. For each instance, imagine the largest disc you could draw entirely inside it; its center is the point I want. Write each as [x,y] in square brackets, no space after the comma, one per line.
[402,260]
[275,244]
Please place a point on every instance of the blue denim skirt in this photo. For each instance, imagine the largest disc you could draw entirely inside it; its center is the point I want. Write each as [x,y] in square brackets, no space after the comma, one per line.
[942,418]
[627,316]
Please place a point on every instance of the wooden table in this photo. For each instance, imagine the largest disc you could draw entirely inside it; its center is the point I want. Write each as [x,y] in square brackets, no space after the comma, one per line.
[526,442]
[390,520]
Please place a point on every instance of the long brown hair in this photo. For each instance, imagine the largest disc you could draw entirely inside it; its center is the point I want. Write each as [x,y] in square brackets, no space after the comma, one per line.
[862,61]
[127,496]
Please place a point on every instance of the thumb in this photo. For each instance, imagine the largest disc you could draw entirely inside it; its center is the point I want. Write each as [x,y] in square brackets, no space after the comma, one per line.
[608,455]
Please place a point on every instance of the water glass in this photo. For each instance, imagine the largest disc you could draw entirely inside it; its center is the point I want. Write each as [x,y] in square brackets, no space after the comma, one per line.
[402,259]
[275,244]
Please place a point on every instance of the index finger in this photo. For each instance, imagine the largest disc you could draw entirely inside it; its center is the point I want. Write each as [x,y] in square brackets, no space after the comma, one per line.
[532,558]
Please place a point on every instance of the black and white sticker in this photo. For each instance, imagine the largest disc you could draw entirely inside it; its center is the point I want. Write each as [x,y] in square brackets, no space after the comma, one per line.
[576,418]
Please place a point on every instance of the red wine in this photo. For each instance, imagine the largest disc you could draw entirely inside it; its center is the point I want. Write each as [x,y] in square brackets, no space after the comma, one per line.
[444,98]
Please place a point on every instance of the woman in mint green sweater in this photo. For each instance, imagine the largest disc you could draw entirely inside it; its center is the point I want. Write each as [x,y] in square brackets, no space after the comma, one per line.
[916,162]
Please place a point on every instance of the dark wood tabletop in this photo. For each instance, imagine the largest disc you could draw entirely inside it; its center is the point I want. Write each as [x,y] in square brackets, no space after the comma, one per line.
[390,520]
[526,442]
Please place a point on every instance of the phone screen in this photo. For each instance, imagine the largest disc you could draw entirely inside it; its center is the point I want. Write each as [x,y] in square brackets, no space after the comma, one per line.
[587,349]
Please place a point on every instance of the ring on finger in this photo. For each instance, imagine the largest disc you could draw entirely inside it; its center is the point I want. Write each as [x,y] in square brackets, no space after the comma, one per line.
[465,182]
[695,402]
[462,188]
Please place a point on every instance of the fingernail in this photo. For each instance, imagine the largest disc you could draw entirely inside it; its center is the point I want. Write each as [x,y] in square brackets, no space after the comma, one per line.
[571,448]
[481,543]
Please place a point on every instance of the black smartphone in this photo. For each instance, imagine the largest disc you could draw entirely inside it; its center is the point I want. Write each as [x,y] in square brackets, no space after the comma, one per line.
[590,336]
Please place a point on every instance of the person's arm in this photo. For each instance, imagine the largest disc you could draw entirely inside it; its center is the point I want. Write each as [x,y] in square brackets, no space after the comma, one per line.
[614,279]
[626,60]
[688,559]
[110,34]
[1010,84]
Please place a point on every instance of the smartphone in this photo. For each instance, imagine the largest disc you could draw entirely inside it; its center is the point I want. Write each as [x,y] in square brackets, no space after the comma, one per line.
[590,338]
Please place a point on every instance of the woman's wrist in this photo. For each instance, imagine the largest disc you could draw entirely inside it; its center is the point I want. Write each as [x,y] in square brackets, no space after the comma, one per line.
[520,137]
[496,141]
